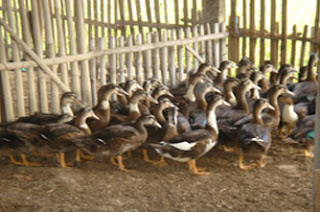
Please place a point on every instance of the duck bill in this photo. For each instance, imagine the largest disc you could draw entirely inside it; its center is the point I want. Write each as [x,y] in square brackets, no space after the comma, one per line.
[226,103]
[256,87]
[273,70]
[153,100]
[122,92]
[155,123]
[169,93]
[214,89]
[139,87]
[214,69]
[93,115]
[79,102]
[270,107]
[290,92]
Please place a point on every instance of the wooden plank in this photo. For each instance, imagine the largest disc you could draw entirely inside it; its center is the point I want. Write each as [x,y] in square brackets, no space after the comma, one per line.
[202,44]
[209,46]
[245,18]
[33,104]
[195,46]
[180,57]
[252,29]
[216,46]
[93,75]
[293,46]
[16,58]
[164,59]
[112,62]
[103,71]
[188,55]
[122,61]
[75,76]
[284,32]
[148,58]
[273,33]
[138,61]
[223,43]
[262,29]
[156,55]
[81,40]
[303,46]
[37,40]
[5,85]
[129,58]
[172,62]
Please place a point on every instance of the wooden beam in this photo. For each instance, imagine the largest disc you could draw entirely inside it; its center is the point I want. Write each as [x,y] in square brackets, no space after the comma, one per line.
[35,57]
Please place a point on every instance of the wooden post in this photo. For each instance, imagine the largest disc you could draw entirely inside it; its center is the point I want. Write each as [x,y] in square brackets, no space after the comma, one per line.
[316,47]
[209,46]
[293,49]
[195,45]
[172,62]
[131,15]
[156,54]
[262,29]
[187,53]
[252,30]
[16,58]
[139,60]
[129,59]
[273,33]
[202,44]
[81,40]
[112,62]
[303,46]
[223,43]
[148,58]
[284,32]
[121,61]
[93,71]
[180,58]
[244,40]
[103,72]
[216,46]
[164,59]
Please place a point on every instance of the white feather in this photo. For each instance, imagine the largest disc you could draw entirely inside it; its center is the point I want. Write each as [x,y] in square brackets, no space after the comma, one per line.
[184,146]
[289,115]
[190,94]
[67,109]
[105,104]
[133,107]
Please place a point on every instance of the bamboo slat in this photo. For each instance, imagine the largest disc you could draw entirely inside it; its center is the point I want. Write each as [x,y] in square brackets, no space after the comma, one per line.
[93,76]
[172,62]
[194,12]
[16,58]
[277,43]
[223,43]
[109,17]
[131,16]
[164,59]
[102,12]
[252,28]
[245,18]
[149,17]
[195,46]
[122,17]
[33,105]
[112,62]
[303,46]
[96,27]
[209,46]
[273,32]
[81,40]
[315,47]
[89,16]
[180,58]
[148,58]
[5,85]
[129,59]
[284,32]
[262,29]
[138,9]
[103,72]
[122,61]
[216,46]
[138,60]
[293,46]
[187,53]
[155,59]
[202,44]
[115,12]
[165,5]
[185,12]
[75,77]
[156,9]
[232,30]
[176,13]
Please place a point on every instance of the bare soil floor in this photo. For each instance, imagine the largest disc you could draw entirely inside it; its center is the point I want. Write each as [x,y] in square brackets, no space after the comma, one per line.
[283,185]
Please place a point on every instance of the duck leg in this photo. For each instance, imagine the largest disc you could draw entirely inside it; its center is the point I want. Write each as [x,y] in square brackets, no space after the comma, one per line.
[194,170]
[27,163]
[13,160]
[161,162]
[261,162]
[61,159]
[78,155]
[146,157]
[114,160]
[228,149]
[121,165]
[244,167]
[84,156]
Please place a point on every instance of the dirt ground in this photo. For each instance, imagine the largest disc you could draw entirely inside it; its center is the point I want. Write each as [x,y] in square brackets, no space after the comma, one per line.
[283,185]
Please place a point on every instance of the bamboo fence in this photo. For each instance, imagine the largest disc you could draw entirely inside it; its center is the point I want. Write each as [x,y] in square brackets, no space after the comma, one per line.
[52,46]
[279,43]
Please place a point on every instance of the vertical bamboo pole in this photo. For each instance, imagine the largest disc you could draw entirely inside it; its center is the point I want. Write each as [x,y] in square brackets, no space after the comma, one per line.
[75,77]
[112,61]
[216,46]
[115,17]
[172,62]
[129,59]
[61,41]
[96,18]
[187,53]
[156,9]
[109,18]
[5,85]
[277,43]
[233,33]
[223,43]
[202,44]
[272,31]
[293,46]
[284,32]
[316,47]
[102,12]
[164,59]
[185,13]
[303,46]
[262,29]
[93,75]
[156,62]
[89,16]
[81,40]
[180,57]
[165,4]
[16,58]
[209,46]
[50,52]
[121,61]
[252,30]
[139,60]
[131,16]
[195,46]
[38,49]
[148,58]
[103,72]
[138,9]
[148,9]
[194,12]
[244,40]
[27,38]
[122,17]
[176,14]
[64,24]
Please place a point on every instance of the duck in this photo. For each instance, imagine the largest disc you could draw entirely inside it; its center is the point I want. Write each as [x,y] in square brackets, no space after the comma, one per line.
[118,139]
[228,91]
[245,67]
[67,100]
[255,138]
[289,117]
[275,77]
[266,68]
[55,138]
[256,77]
[222,76]
[130,86]
[287,74]
[102,110]
[190,146]
[302,136]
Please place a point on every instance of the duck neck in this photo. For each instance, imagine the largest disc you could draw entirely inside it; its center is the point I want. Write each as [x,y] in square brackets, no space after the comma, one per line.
[66,108]
[134,111]
[242,102]
[264,85]
[202,101]
[81,123]
[158,113]
[141,129]
[190,93]
[273,99]
[171,131]
[310,75]
[257,119]
[212,121]
[284,78]
[221,77]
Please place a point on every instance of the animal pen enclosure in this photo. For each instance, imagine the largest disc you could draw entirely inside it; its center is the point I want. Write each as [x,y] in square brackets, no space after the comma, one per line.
[89,43]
